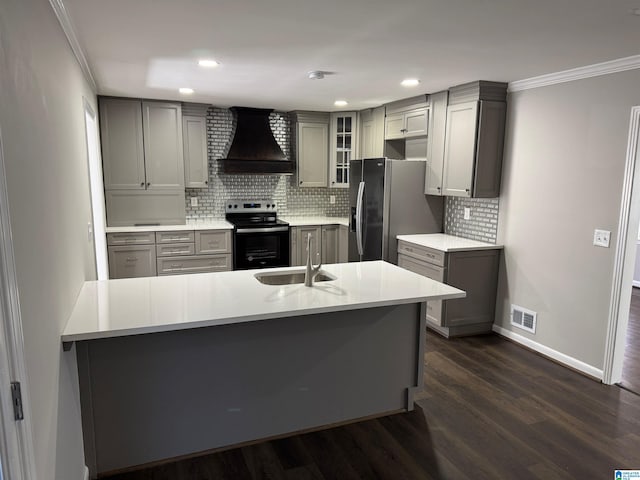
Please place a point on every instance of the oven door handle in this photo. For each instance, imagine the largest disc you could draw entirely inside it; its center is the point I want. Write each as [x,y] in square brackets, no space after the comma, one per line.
[262,230]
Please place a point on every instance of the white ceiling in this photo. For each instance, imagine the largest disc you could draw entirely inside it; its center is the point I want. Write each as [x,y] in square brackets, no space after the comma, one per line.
[149,48]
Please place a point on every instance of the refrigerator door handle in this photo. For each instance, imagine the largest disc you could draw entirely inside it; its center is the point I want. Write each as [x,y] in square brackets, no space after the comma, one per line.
[359,218]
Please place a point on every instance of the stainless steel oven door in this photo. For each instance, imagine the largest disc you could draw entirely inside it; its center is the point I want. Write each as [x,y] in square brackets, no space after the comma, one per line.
[261,247]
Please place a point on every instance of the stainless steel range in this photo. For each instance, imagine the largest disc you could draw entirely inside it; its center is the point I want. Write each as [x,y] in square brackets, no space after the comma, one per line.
[260,239]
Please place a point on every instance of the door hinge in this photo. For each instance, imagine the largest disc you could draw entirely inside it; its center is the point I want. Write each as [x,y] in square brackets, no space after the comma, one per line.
[16,397]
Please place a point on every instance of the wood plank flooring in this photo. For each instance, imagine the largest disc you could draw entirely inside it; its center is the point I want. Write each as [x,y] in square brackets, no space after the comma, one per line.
[631,365]
[489,410]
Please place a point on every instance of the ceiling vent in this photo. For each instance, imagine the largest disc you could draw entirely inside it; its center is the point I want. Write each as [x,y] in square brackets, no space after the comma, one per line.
[523,318]
[254,149]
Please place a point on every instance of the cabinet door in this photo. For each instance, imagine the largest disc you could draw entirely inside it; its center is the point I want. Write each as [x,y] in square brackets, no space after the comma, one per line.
[416,123]
[343,146]
[343,244]
[213,241]
[313,154]
[460,149]
[122,147]
[293,237]
[330,244]
[366,136]
[316,247]
[434,307]
[162,127]
[196,160]
[488,167]
[435,143]
[394,126]
[132,261]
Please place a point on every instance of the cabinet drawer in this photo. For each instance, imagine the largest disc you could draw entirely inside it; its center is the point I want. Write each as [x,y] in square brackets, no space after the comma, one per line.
[175,237]
[132,261]
[425,269]
[422,253]
[194,264]
[213,241]
[131,238]
[172,249]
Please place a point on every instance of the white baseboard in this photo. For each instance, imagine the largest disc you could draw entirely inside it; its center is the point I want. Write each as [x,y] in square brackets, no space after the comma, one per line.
[86,473]
[549,352]
[636,283]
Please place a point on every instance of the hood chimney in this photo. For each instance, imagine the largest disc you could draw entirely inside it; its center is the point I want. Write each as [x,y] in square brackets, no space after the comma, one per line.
[254,149]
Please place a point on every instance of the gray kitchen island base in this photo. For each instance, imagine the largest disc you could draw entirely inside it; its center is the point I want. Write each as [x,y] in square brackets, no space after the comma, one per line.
[150,397]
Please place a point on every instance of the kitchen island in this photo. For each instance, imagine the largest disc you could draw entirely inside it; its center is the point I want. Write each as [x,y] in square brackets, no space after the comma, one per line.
[177,365]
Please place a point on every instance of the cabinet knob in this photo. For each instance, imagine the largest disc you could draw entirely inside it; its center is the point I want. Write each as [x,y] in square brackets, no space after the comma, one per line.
[142,184]
[300,182]
[466,190]
[438,188]
[206,182]
[148,184]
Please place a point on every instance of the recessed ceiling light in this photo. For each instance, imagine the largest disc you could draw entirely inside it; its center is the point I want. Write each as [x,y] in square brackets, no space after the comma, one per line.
[410,82]
[340,103]
[316,75]
[185,90]
[208,63]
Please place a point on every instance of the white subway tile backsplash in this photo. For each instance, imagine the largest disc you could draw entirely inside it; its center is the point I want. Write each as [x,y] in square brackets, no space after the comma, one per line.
[483,224]
[291,199]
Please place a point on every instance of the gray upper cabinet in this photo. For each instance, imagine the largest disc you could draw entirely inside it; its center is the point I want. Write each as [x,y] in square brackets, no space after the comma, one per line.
[162,128]
[474,138]
[372,133]
[196,161]
[141,144]
[122,144]
[435,143]
[407,118]
[311,146]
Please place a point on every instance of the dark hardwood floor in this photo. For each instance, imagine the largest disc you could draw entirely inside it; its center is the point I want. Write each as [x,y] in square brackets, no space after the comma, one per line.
[631,366]
[489,410]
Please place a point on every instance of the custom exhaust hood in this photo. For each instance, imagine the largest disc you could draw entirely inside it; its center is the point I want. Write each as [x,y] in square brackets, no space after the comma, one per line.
[254,149]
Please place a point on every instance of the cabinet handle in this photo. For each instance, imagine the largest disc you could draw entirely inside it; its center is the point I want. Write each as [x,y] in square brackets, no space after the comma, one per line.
[132,259]
[176,265]
[466,190]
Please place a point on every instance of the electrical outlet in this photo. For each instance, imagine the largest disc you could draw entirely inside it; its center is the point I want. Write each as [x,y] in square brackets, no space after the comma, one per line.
[467,213]
[194,201]
[332,199]
[601,238]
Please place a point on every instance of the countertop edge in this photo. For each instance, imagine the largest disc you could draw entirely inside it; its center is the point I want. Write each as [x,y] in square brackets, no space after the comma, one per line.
[78,337]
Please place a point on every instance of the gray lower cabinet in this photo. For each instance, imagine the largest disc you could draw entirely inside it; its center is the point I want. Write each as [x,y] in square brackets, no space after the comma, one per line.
[129,261]
[328,243]
[474,271]
[143,254]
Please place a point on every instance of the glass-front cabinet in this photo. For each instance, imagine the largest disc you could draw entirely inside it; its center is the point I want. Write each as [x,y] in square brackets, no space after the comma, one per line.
[343,147]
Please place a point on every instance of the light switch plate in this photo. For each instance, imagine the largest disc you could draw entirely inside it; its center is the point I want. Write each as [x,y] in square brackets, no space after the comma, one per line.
[601,238]
[467,213]
[332,199]
[194,201]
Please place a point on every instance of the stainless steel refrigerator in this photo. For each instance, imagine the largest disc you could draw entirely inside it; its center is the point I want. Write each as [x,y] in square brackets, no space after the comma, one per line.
[387,199]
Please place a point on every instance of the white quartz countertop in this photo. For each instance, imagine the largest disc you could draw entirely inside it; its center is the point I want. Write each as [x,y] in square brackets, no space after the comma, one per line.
[190,225]
[303,221]
[447,243]
[113,308]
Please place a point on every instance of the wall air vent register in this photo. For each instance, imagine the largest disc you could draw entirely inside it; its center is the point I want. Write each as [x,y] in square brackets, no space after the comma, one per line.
[523,318]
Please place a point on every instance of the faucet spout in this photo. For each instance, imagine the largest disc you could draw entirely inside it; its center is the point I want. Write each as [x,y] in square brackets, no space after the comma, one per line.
[311,271]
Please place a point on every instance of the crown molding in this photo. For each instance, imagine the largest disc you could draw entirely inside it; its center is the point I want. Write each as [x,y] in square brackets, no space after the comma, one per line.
[604,68]
[67,27]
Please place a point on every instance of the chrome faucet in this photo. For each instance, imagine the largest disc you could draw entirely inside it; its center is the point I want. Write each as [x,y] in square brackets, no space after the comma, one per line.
[311,271]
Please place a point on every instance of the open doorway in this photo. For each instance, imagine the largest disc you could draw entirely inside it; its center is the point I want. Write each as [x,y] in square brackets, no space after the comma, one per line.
[97,193]
[623,299]
[631,363]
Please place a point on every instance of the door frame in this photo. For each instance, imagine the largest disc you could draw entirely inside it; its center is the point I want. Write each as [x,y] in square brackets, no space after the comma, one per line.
[624,260]
[16,441]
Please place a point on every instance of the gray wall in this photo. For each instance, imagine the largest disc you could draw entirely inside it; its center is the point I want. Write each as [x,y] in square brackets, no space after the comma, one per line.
[42,121]
[562,178]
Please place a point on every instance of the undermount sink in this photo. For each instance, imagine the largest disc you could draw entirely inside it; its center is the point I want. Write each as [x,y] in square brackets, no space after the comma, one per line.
[291,277]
